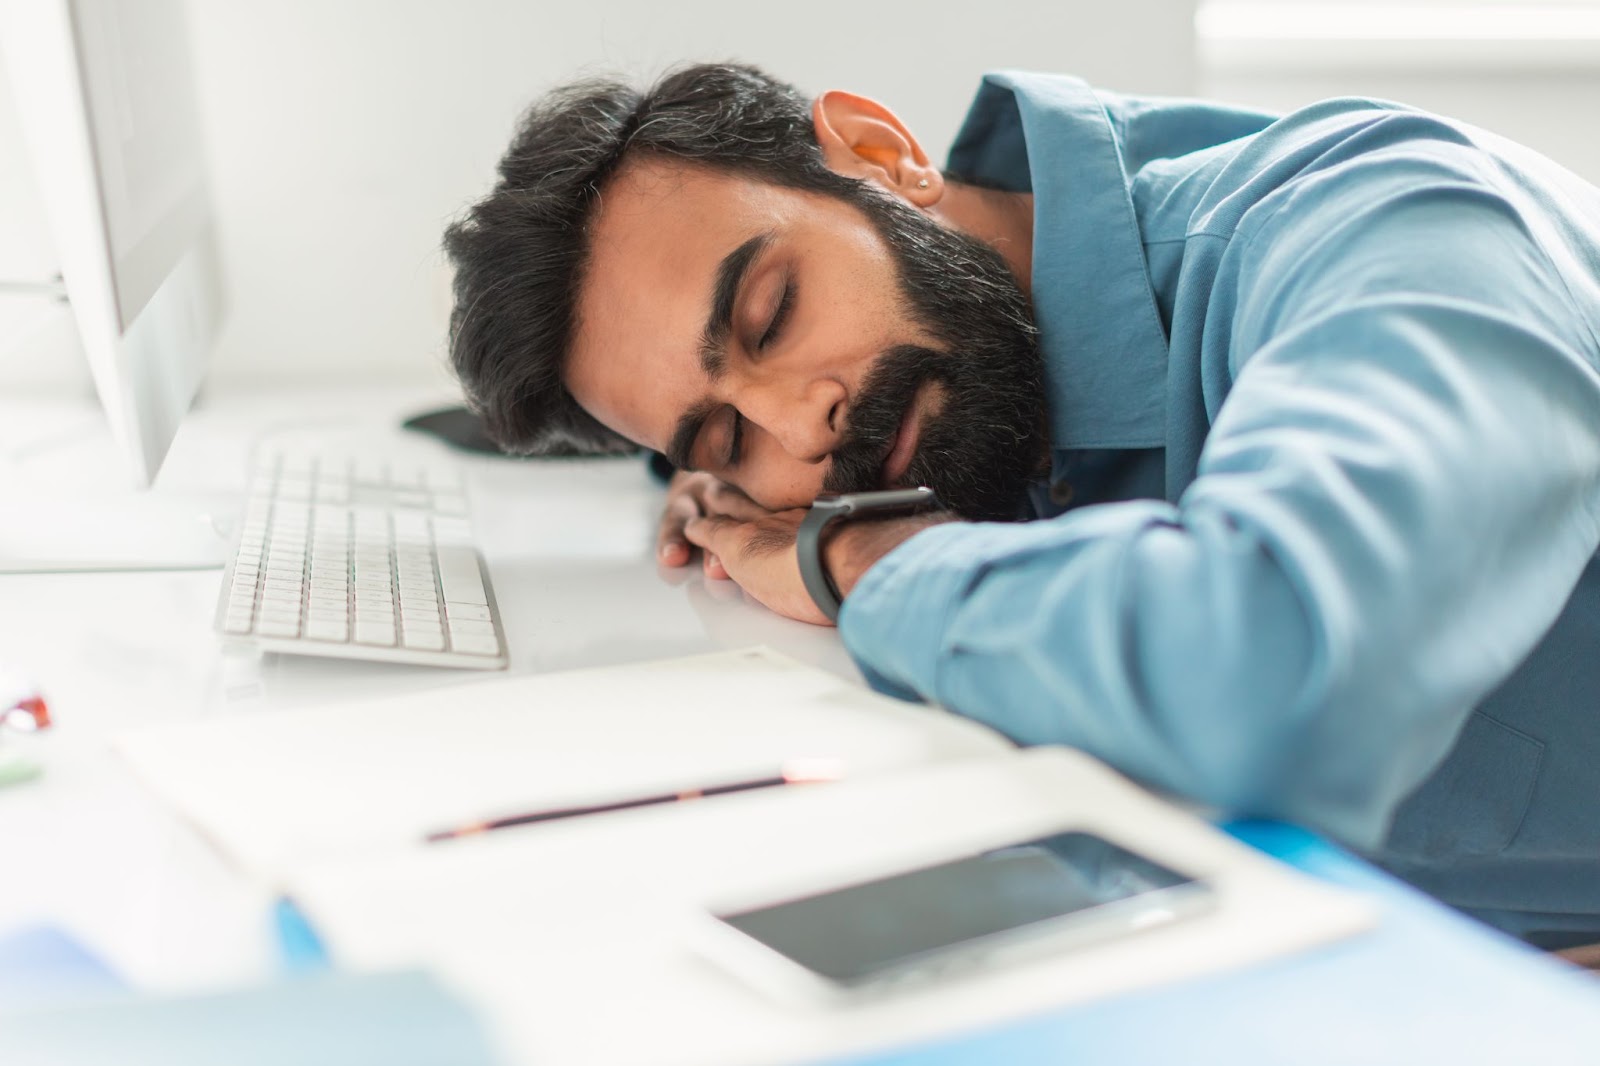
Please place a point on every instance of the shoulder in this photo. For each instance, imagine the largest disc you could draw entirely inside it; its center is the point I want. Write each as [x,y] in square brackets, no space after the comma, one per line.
[1393,206]
[1323,156]
[1342,154]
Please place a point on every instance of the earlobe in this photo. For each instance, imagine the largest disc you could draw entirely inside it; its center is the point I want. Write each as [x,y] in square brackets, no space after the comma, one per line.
[860,138]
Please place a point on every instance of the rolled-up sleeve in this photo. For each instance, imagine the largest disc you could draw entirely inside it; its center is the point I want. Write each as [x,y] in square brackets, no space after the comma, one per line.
[1394,501]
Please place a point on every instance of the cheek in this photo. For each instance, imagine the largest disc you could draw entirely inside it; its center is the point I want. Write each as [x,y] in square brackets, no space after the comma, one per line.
[778,482]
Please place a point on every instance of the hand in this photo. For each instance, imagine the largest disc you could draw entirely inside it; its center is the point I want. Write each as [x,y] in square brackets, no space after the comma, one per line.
[760,554]
[693,495]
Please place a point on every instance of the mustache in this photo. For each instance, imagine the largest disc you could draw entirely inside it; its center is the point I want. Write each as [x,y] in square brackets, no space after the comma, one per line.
[886,392]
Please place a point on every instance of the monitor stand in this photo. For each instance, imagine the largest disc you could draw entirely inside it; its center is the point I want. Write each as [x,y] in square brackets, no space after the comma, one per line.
[67,503]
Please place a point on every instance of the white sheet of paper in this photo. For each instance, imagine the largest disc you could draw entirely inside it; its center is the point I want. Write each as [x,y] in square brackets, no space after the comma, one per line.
[274,788]
[581,939]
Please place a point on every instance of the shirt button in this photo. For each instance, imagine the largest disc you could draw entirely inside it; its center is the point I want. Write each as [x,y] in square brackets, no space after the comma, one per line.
[1060,493]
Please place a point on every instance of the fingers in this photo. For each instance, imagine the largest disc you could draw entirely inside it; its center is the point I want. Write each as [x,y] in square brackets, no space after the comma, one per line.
[672,548]
[689,496]
[716,537]
[683,503]
[710,560]
[703,530]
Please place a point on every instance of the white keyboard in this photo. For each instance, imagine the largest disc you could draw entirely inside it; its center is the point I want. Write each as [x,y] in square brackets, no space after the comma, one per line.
[360,557]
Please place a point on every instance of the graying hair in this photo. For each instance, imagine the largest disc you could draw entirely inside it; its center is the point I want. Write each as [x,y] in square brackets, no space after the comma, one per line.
[520,253]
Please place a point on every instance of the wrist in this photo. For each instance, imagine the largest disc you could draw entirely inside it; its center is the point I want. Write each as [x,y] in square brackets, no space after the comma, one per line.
[850,549]
[829,509]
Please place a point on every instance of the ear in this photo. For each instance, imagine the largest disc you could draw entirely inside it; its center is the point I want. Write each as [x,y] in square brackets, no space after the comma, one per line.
[861,138]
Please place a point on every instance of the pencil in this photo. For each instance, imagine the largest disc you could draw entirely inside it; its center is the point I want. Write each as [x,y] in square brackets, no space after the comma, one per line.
[795,773]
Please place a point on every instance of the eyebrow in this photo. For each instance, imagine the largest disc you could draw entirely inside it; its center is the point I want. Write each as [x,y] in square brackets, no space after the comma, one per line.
[713,341]
[719,323]
[681,446]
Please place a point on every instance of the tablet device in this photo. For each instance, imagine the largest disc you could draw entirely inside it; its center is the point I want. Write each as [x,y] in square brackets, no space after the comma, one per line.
[1032,897]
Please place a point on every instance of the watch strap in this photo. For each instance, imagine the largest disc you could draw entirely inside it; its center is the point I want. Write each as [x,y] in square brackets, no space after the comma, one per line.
[813,571]
[829,508]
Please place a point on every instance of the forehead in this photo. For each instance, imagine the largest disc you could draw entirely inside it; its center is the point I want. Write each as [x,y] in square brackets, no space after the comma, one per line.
[655,241]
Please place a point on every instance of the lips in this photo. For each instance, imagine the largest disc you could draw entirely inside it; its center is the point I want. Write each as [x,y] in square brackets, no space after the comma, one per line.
[903,445]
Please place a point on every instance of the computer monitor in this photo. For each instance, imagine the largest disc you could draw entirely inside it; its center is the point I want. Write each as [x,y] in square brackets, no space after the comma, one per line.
[105,93]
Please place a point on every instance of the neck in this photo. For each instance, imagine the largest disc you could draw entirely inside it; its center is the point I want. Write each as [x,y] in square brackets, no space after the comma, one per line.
[1003,220]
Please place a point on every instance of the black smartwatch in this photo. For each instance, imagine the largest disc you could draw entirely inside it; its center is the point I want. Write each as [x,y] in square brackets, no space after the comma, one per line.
[830,507]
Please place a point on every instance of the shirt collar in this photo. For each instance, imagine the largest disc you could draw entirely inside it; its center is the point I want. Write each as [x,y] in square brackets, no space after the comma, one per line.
[1105,349]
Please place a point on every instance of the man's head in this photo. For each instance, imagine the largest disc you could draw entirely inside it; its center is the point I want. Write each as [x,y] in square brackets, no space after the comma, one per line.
[754,286]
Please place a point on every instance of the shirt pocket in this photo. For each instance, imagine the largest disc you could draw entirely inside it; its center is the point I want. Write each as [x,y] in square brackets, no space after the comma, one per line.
[1475,801]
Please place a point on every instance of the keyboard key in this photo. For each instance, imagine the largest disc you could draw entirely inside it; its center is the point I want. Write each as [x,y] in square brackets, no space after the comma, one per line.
[369,470]
[279,627]
[335,630]
[469,612]
[407,475]
[411,498]
[475,645]
[459,576]
[377,633]
[424,638]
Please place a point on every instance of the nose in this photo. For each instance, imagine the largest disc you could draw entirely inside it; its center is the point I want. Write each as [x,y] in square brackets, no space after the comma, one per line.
[807,422]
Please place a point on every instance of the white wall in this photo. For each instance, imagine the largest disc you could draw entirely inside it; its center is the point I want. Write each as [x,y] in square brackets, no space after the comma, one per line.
[345,133]
[1530,71]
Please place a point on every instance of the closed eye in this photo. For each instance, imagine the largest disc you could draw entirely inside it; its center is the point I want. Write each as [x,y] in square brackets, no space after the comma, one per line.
[779,317]
[735,440]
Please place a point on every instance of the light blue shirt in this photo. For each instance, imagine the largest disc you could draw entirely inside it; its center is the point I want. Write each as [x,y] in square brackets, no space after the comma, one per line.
[1324,391]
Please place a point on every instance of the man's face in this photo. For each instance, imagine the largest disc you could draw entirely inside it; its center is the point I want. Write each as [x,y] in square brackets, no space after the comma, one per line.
[791,342]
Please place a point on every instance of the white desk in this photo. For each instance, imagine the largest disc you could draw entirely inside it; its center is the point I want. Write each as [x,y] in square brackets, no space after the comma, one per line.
[570,549]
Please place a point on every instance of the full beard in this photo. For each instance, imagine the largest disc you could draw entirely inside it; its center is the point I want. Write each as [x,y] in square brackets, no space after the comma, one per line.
[980,451]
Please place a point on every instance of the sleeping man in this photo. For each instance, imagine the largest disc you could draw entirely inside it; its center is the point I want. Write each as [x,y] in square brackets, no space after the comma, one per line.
[1264,452]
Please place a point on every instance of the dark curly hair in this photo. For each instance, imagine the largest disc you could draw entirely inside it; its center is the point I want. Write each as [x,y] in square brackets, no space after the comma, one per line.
[520,253]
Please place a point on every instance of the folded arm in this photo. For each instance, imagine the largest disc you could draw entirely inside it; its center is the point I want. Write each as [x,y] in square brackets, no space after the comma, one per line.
[1394,502]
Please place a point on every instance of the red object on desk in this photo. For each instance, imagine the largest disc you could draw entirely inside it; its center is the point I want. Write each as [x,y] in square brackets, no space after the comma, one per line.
[34,708]
[17,698]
